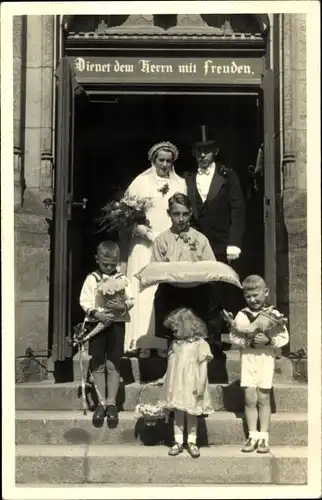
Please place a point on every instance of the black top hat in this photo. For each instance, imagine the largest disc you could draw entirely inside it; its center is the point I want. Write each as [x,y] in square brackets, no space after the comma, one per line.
[210,143]
[204,144]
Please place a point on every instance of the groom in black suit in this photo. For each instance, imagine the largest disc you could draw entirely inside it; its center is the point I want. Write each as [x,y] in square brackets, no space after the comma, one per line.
[219,213]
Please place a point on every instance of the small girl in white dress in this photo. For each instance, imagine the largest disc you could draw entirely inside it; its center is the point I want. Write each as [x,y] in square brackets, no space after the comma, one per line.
[185,384]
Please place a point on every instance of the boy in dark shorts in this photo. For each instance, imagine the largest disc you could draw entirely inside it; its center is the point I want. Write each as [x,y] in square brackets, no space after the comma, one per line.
[106,294]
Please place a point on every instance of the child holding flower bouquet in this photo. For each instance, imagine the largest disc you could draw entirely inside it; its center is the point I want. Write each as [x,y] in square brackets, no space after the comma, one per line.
[259,330]
[106,298]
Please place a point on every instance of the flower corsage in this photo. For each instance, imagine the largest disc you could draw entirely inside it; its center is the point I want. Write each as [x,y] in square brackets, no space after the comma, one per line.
[164,189]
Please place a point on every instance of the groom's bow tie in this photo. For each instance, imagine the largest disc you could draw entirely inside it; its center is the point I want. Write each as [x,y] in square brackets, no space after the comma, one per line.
[204,171]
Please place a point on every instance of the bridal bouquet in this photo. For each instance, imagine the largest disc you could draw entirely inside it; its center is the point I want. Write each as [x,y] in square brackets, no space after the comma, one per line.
[127,213]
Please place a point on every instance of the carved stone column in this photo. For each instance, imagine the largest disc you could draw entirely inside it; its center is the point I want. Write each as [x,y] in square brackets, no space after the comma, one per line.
[294,173]
[18,43]
[46,157]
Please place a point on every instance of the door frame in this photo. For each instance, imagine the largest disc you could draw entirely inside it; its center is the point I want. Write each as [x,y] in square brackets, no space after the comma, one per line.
[60,349]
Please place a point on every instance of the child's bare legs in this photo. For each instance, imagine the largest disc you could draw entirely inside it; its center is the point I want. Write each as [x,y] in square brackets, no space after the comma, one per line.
[264,412]
[178,423]
[264,409]
[251,412]
[251,416]
[192,435]
[192,428]
[179,417]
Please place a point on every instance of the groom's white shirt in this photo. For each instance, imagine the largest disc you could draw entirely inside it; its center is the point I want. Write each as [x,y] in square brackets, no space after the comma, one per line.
[203,181]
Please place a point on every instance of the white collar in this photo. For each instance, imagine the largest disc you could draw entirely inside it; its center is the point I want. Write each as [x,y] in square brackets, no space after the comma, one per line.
[209,169]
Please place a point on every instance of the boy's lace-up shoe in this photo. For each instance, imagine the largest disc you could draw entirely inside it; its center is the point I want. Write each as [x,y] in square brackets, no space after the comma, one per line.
[111,412]
[193,450]
[99,415]
[263,446]
[176,450]
[250,445]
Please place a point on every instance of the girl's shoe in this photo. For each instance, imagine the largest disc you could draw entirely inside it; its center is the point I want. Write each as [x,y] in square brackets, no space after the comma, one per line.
[263,446]
[111,412]
[99,415]
[193,450]
[250,445]
[175,450]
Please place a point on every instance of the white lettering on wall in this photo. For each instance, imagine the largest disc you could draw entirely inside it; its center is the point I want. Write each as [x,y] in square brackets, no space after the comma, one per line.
[208,67]
[232,68]
[147,67]
[123,68]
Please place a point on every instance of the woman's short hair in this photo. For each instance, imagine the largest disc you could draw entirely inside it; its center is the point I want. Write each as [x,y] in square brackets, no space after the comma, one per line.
[180,199]
[193,326]
[108,249]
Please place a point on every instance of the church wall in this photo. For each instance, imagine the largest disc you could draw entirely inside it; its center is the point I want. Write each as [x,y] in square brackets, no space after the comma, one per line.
[34,54]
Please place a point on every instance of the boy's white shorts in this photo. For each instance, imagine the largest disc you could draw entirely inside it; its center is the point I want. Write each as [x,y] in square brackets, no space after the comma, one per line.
[257,369]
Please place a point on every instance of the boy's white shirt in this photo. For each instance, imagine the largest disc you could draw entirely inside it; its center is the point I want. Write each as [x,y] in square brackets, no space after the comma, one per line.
[279,339]
[91,298]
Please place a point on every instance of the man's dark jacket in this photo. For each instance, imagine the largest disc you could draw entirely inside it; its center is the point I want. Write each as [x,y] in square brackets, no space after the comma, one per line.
[221,218]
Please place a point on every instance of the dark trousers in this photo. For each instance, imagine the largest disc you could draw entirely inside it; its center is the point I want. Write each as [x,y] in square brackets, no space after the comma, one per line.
[106,349]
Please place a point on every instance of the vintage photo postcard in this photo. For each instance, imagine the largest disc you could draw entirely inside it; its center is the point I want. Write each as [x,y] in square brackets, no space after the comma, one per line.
[161,249]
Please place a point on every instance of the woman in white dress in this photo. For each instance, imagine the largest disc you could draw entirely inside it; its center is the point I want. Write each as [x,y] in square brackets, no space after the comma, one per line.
[159,183]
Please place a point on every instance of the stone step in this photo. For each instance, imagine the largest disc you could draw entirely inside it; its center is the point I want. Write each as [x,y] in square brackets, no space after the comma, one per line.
[220,428]
[50,396]
[127,464]
[221,370]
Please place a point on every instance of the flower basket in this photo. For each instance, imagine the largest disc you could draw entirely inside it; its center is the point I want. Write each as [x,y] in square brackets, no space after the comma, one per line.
[150,413]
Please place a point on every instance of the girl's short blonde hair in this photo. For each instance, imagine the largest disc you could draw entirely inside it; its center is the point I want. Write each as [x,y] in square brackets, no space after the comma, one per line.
[193,326]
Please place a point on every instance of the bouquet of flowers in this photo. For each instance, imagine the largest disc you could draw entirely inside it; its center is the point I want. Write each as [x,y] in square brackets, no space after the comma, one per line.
[269,321]
[129,212]
[113,291]
[150,413]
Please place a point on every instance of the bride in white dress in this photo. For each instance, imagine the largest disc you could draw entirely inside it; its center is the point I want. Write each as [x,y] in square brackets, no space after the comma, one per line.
[159,183]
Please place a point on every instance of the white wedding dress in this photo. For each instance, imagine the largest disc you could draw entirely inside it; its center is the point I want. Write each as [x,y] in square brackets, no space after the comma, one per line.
[147,184]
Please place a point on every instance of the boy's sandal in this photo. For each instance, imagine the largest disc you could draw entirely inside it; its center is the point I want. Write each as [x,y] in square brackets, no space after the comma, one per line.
[193,450]
[176,450]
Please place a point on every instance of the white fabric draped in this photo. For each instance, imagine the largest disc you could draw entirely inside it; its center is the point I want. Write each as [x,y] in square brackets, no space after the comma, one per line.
[147,184]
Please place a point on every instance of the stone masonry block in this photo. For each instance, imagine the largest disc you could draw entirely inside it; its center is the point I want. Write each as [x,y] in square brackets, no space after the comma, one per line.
[48,41]
[34,41]
[33,273]
[298,325]
[33,97]
[31,327]
[298,274]
[32,157]
[30,223]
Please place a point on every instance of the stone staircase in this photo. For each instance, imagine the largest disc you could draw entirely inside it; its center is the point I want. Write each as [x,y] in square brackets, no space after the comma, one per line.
[56,444]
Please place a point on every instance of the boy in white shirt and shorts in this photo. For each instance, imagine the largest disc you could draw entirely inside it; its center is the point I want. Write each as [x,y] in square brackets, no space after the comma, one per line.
[258,353]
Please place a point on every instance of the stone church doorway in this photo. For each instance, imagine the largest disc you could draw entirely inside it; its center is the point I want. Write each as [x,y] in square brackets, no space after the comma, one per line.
[112,139]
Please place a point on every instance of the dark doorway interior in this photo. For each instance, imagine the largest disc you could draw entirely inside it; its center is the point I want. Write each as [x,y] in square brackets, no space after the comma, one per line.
[119,133]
